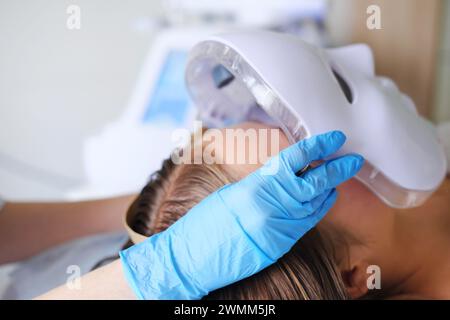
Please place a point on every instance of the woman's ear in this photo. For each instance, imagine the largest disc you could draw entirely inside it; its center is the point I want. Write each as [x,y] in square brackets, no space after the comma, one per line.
[355,279]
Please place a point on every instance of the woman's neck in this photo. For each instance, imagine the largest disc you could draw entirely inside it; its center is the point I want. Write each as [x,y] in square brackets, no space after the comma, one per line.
[424,233]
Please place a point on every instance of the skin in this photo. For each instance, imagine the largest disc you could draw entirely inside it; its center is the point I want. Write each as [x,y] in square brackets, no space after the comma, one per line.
[105,283]
[410,246]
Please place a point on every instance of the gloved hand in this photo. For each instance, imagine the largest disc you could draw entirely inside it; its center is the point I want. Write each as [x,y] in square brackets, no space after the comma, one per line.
[243,227]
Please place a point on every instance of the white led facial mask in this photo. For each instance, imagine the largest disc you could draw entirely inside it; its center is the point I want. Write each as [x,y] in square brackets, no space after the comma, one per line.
[305,90]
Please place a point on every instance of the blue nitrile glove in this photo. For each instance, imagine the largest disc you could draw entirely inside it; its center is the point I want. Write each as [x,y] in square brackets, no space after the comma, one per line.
[243,227]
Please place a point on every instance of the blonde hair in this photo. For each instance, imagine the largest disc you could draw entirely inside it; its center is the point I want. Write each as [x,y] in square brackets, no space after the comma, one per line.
[307,271]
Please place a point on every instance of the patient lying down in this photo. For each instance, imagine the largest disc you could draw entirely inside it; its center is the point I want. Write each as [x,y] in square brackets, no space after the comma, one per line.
[361,249]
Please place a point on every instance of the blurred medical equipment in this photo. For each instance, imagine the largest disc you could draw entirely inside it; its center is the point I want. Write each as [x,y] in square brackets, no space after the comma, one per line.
[255,13]
[306,90]
[243,227]
[136,144]
[140,139]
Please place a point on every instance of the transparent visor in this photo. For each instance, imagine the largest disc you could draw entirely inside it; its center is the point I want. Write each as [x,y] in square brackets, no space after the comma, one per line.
[227,90]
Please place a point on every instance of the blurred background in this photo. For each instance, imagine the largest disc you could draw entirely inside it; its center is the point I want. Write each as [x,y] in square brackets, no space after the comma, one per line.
[88,112]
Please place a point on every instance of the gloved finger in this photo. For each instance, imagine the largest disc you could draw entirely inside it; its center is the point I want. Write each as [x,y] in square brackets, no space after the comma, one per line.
[329,175]
[313,219]
[297,209]
[310,207]
[300,154]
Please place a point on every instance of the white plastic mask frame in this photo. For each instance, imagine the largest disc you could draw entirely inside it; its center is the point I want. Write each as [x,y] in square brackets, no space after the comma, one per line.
[402,177]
